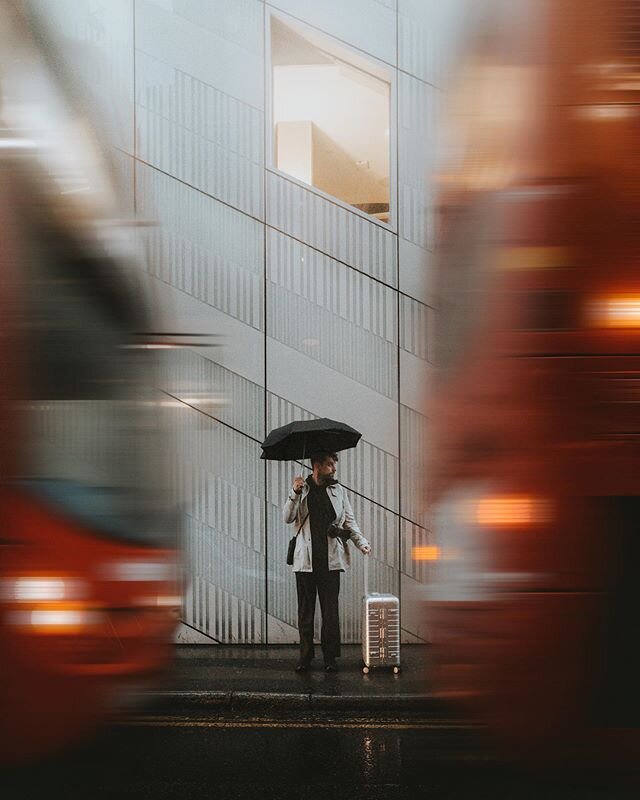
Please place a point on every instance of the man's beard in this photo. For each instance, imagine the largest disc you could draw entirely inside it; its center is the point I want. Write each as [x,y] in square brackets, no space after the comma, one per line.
[325,480]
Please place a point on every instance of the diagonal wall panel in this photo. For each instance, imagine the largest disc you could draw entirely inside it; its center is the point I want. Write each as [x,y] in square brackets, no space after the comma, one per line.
[332,314]
[211,388]
[331,229]
[202,247]
[207,138]
[222,481]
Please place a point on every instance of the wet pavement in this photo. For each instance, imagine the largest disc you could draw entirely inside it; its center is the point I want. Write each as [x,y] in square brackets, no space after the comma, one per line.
[238,722]
[308,759]
[264,677]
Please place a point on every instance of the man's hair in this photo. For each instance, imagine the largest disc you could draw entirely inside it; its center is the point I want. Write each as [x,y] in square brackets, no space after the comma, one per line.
[320,458]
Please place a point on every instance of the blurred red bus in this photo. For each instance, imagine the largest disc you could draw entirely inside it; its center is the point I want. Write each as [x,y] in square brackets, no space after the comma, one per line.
[533,476]
[89,583]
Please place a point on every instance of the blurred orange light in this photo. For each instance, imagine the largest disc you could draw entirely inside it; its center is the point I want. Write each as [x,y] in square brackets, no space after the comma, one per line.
[57,620]
[41,588]
[616,311]
[426,553]
[534,258]
[511,510]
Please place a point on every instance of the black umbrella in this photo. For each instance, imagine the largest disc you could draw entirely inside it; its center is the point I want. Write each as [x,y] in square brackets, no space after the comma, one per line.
[306,437]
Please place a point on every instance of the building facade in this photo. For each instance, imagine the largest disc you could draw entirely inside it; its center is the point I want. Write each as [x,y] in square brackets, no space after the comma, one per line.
[280,152]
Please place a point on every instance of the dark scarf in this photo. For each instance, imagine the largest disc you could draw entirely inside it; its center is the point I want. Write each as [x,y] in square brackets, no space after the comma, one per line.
[321,515]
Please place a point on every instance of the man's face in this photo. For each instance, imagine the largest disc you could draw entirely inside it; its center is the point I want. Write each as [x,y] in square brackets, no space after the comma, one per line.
[327,469]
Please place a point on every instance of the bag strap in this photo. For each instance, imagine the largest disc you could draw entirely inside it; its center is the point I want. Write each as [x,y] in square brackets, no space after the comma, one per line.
[302,524]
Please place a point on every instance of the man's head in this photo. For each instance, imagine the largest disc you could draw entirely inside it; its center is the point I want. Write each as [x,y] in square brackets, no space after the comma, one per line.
[324,466]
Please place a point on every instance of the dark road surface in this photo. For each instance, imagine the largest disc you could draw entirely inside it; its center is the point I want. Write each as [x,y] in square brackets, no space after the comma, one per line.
[302,758]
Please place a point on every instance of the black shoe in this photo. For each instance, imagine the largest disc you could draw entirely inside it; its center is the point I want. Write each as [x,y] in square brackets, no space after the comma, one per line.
[302,666]
[330,665]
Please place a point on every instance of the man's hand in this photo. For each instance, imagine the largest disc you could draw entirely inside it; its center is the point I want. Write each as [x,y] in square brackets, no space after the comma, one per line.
[366,550]
[298,483]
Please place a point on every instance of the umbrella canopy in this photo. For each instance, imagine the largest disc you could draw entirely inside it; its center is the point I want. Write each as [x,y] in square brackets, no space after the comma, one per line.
[306,437]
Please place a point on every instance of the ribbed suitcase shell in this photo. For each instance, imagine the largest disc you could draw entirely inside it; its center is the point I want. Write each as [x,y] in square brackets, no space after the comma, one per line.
[381,630]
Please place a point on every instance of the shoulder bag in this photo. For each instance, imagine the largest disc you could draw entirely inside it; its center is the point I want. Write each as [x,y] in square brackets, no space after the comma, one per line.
[292,543]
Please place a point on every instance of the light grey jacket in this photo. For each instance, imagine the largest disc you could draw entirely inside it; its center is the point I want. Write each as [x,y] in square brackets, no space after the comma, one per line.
[296,509]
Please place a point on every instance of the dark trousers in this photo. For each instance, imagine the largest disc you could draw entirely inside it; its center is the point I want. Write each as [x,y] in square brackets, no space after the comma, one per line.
[327,586]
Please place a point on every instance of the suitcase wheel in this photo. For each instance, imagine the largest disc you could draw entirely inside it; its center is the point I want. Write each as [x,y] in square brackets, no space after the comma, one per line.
[365,670]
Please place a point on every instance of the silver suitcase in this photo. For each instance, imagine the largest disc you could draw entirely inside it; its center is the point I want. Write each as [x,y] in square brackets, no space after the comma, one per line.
[380,628]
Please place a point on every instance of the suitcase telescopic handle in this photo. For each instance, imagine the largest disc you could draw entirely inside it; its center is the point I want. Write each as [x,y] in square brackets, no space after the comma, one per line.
[366,575]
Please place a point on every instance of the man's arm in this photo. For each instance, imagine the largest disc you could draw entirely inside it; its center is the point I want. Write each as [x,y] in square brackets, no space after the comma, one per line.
[291,507]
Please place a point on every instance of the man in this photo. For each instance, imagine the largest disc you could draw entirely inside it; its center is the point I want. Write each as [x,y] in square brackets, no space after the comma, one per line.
[313,505]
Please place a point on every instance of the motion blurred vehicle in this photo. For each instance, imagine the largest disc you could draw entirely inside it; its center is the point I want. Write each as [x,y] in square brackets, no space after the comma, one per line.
[534,476]
[89,569]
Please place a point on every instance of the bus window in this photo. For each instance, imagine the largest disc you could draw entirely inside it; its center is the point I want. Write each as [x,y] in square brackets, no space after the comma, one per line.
[96,431]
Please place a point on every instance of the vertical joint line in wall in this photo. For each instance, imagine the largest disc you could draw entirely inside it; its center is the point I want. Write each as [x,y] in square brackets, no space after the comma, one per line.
[266,95]
[135,119]
[398,310]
